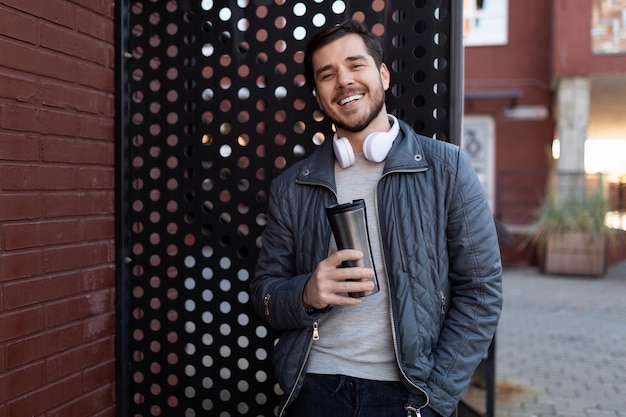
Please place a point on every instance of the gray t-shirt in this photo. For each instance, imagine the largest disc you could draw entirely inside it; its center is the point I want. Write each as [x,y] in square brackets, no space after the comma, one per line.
[357,341]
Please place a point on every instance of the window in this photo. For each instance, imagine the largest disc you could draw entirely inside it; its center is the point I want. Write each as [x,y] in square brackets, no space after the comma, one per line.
[485,22]
[608,27]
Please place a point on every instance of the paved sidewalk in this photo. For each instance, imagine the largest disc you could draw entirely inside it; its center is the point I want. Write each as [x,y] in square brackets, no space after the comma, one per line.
[561,346]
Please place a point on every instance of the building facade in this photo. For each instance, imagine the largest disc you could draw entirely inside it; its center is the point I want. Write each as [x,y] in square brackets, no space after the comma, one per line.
[543,77]
[57,238]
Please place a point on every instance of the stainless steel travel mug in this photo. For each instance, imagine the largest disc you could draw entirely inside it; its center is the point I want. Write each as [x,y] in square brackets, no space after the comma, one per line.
[349,225]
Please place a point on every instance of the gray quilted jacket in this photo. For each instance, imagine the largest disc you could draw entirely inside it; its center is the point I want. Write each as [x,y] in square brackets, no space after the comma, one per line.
[441,255]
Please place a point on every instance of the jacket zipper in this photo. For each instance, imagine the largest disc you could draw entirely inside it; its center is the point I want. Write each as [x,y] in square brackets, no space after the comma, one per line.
[314,336]
[316,333]
[266,304]
[315,330]
[319,184]
[315,327]
[443,302]
[395,348]
[402,255]
[391,316]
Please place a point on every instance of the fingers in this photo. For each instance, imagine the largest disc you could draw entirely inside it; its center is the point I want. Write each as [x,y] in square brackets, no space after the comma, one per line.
[337,258]
[330,268]
[330,283]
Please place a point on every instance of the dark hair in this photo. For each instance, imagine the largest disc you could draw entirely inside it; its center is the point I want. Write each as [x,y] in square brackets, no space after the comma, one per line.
[372,43]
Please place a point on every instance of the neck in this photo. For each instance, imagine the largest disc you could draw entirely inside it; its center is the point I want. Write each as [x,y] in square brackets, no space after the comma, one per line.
[380,124]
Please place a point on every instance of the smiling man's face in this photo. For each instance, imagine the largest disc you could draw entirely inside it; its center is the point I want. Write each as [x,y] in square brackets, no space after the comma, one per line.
[350,88]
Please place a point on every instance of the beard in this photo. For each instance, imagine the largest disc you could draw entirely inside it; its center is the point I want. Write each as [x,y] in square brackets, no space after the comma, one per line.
[360,123]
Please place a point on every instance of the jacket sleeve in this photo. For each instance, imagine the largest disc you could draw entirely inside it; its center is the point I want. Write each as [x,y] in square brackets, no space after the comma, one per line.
[276,288]
[475,298]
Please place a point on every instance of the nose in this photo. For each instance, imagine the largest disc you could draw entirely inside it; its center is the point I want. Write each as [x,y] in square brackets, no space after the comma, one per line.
[344,77]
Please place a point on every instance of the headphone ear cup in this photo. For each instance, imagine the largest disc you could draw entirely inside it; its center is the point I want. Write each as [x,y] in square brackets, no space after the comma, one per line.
[377,146]
[343,151]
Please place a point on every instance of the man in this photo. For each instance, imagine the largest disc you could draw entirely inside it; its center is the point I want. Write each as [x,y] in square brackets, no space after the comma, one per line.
[411,347]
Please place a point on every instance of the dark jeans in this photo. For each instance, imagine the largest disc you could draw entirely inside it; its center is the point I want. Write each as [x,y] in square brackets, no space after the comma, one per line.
[342,396]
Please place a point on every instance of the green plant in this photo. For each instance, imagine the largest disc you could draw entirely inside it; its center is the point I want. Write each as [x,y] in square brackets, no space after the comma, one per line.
[584,211]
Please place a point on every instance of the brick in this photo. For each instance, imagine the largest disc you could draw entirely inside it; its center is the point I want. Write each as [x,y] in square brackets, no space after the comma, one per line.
[98,228]
[22,89]
[19,26]
[92,127]
[14,206]
[20,265]
[89,404]
[78,204]
[2,361]
[99,277]
[102,7]
[99,375]
[29,292]
[79,359]
[94,178]
[99,326]
[62,123]
[21,323]
[58,11]
[45,121]
[53,395]
[107,412]
[68,258]
[18,147]
[73,43]
[31,60]
[77,308]
[95,25]
[42,345]
[38,177]
[22,380]
[100,77]
[67,96]
[78,151]
[37,234]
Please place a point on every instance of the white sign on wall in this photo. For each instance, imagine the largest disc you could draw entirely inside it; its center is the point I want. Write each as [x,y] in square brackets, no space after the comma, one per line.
[479,141]
[485,22]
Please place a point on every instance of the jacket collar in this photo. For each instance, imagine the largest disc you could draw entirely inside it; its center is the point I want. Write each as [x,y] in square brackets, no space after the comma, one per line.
[406,155]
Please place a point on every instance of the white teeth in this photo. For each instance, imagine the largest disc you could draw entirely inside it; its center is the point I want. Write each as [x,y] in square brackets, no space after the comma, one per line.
[350,99]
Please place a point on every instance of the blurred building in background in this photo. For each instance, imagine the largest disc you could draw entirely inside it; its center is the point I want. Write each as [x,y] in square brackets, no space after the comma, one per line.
[545,88]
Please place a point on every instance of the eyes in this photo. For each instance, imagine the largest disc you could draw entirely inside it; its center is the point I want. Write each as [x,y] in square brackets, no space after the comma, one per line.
[331,73]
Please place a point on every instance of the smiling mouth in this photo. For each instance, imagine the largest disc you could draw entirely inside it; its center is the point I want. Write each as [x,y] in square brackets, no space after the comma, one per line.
[350,99]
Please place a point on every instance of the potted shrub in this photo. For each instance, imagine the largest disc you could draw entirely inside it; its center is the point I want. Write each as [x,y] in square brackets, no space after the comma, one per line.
[570,234]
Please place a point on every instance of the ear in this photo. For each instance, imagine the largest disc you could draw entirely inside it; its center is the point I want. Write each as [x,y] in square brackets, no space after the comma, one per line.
[385,75]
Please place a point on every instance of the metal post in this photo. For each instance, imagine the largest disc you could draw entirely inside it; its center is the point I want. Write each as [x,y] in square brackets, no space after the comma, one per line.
[122,226]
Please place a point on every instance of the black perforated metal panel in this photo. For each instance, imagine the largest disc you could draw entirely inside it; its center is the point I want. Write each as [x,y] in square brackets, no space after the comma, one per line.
[217,107]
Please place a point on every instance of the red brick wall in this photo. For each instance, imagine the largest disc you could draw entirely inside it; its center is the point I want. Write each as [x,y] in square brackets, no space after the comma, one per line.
[573,53]
[57,275]
[523,66]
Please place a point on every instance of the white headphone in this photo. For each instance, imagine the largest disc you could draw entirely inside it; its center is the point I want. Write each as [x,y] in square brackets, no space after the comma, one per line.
[375,148]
